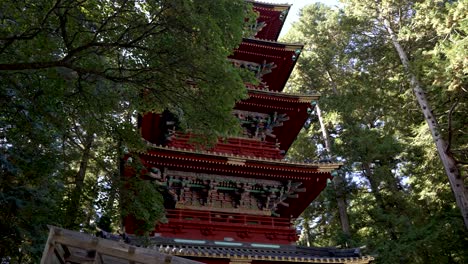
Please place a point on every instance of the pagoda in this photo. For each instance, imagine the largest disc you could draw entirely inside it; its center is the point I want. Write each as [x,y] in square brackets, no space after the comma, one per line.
[236,202]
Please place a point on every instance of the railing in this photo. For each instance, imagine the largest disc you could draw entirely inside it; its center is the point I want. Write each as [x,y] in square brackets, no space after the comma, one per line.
[239,146]
[228,219]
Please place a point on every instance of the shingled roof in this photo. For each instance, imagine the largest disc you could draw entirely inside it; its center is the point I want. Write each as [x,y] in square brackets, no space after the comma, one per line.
[252,251]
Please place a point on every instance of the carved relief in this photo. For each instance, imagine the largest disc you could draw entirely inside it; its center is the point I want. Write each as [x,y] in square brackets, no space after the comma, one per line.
[200,191]
[257,27]
[259,125]
[260,69]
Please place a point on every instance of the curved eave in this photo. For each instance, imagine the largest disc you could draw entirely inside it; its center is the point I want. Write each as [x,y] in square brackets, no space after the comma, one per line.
[197,252]
[238,160]
[283,55]
[312,176]
[274,6]
[272,44]
[290,97]
[273,15]
[296,108]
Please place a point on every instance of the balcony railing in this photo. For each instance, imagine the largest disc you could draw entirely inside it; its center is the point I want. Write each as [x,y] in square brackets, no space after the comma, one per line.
[228,219]
[239,146]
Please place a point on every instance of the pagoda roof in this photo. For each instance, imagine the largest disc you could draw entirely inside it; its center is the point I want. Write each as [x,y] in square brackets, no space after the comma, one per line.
[297,108]
[282,55]
[281,96]
[312,176]
[207,156]
[252,251]
[273,16]
[275,6]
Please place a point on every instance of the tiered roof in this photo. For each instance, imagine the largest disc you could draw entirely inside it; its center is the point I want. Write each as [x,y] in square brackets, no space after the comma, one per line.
[272,16]
[223,198]
[232,251]
[281,56]
[312,176]
[296,107]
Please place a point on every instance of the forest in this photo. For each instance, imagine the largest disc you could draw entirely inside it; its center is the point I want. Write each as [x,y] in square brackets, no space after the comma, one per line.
[392,75]
[372,61]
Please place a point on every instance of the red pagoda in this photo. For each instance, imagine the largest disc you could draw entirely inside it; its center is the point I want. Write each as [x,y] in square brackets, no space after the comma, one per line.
[236,202]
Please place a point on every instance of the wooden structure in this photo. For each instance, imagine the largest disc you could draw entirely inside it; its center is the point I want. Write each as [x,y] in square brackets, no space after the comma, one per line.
[65,246]
[236,202]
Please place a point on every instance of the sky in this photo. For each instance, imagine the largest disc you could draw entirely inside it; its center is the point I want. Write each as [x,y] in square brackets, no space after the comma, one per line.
[294,11]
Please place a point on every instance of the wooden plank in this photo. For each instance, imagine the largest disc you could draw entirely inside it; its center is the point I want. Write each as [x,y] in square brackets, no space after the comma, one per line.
[48,253]
[59,257]
[109,247]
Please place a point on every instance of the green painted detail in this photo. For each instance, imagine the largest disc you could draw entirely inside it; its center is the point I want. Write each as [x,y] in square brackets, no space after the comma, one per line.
[226,188]
[190,241]
[196,185]
[265,245]
[173,180]
[227,243]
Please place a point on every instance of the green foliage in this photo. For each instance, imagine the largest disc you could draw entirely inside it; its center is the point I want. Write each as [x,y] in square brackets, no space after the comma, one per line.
[304,147]
[144,201]
[74,75]
[400,205]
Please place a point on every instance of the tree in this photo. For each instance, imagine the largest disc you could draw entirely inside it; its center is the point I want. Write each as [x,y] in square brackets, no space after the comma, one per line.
[75,74]
[391,17]
[398,204]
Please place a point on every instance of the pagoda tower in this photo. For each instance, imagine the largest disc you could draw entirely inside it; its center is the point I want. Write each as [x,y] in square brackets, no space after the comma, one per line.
[236,202]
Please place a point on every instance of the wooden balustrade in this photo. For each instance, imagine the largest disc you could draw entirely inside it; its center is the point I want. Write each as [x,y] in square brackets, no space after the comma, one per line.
[229,219]
[238,146]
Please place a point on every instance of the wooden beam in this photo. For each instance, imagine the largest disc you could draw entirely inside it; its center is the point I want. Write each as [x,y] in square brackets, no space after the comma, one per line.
[101,246]
[48,253]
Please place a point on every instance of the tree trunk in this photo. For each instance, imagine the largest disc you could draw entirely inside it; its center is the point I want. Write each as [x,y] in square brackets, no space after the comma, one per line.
[341,202]
[326,140]
[374,185]
[450,165]
[75,197]
[338,180]
[115,177]
[332,83]
[379,199]
[121,178]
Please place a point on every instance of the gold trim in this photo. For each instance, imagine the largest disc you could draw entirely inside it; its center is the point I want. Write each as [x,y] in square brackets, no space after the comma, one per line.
[274,5]
[236,161]
[287,46]
[224,210]
[321,167]
[303,98]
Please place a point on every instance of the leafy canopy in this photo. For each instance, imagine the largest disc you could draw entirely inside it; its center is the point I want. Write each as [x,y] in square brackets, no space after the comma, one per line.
[74,75]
